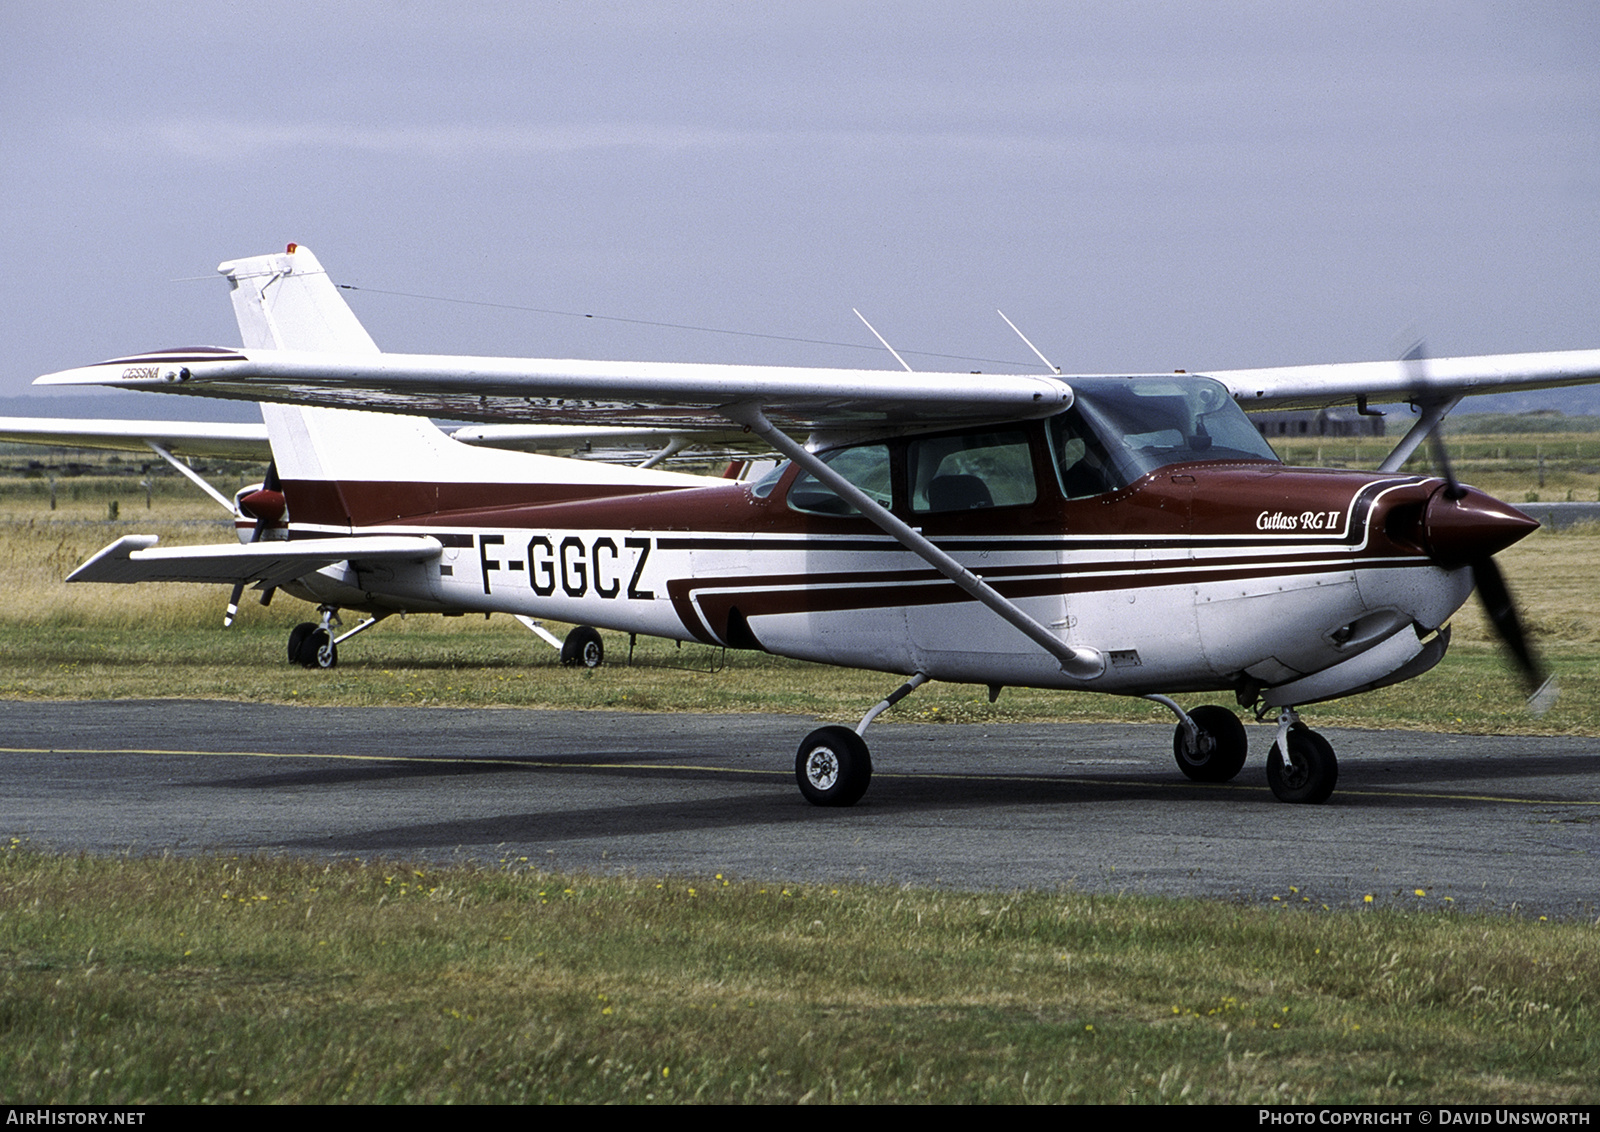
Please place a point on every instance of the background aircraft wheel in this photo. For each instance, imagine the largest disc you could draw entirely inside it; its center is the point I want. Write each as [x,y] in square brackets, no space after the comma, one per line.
[1222,748]
[1310,772]
[583,648]
[297,639]
[833,767]
[317,649]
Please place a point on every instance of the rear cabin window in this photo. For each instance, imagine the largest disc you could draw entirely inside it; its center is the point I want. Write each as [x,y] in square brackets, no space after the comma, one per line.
[970,471]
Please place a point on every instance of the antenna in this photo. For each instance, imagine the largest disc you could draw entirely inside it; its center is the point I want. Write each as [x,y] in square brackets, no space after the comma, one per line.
[1053,367]
[884,340]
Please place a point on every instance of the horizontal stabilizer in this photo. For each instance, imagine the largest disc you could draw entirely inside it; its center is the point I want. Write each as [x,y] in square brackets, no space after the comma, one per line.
[135,558]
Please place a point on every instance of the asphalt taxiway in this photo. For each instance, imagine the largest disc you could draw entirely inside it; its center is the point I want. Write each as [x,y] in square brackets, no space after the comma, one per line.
[1505,823]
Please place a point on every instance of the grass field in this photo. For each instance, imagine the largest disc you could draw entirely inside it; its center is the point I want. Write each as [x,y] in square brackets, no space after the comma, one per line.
[207,980]
[184,980]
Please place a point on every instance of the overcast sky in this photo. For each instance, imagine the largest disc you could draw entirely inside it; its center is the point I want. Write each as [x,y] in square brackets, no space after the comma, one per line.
[1141,187]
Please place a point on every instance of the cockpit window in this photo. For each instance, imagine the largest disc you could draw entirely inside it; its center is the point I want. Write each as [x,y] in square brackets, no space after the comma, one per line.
[866,466]
[1120,430]
[970,470]
[763,486]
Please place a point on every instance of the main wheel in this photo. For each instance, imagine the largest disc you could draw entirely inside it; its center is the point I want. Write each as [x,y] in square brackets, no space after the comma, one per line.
[317,649]
[1310,772]
[833,767]
[297,639]
[1220,751]
[583,648]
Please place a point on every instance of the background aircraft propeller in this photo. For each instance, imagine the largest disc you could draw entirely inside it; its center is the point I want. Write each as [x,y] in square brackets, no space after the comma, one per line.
[266,506]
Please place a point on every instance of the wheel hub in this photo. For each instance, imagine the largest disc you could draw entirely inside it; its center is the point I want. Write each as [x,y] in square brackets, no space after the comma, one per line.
[822,768]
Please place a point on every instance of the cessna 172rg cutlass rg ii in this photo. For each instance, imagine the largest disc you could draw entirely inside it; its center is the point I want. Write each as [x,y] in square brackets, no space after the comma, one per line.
[1127,534]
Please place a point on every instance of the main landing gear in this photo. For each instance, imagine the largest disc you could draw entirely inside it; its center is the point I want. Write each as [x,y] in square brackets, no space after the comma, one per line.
[583,649]
[1216,750]
[833,765]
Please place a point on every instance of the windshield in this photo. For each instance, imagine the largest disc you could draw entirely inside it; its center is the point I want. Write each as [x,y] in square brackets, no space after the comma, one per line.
[1119,430]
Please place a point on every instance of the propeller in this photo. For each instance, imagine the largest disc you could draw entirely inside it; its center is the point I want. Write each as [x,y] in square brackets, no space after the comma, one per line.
[1462,526]
[266,505]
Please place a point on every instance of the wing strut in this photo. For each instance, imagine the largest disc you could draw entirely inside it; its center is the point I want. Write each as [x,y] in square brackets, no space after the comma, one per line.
[192,474]
[1433,414]
[1081,664]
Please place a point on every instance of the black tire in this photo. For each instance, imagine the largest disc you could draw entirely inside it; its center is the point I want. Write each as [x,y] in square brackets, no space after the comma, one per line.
[1222,750]
[1310,773]
[297,639]
[583,649]
[317,650]
[833,767]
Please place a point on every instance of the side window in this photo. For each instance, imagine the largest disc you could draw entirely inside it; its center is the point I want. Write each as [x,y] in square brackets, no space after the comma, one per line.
[1081,464]
[866,466]
[970,471]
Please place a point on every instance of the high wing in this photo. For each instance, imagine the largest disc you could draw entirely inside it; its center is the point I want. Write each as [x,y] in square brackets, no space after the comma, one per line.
[671,395]
[1319,386]
[181,438]
[676,395]
[303,346]
[135,558]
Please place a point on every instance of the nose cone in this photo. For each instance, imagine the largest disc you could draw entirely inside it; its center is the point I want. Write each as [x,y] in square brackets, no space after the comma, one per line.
[1475,526]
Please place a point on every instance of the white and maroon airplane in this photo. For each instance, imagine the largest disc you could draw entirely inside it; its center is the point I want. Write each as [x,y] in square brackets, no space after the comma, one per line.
[1125,534]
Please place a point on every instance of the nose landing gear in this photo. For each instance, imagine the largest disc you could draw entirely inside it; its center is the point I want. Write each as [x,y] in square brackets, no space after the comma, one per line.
[1301,766]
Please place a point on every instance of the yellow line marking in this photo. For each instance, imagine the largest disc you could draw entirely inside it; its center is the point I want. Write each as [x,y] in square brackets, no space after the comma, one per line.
[482,760]
[476,760]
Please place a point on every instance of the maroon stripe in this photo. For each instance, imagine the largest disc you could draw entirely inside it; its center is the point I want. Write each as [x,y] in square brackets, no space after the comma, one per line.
[918,589]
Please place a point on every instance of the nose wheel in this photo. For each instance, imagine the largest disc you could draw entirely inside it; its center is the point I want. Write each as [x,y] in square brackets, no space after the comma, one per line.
[1308,773]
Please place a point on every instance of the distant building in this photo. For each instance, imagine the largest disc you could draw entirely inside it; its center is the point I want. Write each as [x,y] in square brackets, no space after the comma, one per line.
[1340,421]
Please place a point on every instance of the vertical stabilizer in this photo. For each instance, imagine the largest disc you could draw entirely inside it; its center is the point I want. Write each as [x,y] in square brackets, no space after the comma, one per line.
[287,302]
[343,469]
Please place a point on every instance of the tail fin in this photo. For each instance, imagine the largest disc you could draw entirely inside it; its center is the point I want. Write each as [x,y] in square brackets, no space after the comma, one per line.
[287,302]
[342,468]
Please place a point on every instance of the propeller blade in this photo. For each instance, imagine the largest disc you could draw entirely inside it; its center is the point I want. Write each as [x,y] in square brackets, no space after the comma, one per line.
[1416,363]
[272,483]
[1502,613]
